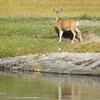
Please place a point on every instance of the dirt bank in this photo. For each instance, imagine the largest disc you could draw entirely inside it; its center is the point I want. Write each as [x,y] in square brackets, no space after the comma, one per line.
[89,36]
[89,23]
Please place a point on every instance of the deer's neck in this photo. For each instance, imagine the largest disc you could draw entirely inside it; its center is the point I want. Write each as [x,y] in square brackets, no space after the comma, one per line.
[57,17]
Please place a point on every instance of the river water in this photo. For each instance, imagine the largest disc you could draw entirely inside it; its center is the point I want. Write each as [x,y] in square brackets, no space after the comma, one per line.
[37,86]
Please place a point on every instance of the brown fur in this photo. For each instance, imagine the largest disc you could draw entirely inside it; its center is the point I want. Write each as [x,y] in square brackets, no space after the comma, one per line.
[70,24]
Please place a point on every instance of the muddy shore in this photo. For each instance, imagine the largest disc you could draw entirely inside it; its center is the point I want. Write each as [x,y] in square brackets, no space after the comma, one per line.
[57,63]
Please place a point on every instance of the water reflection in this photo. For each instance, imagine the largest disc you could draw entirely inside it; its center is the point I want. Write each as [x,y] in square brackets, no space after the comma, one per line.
[36,86]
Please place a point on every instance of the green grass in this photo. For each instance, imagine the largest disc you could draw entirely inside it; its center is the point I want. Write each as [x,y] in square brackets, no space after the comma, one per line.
[22,45]
[94,29]
[22,36]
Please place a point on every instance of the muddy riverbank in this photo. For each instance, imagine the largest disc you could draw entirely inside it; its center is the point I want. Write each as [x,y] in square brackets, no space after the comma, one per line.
[57,63]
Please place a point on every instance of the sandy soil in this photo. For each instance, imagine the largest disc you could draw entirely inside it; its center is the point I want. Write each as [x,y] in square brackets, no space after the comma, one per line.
[89,23]
[90,35]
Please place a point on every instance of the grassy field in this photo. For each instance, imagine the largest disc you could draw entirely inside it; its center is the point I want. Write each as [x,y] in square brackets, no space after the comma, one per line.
[12,8]
[21,36]
[27,26]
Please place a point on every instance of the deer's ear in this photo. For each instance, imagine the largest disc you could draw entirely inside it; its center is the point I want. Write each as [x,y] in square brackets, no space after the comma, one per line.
[54,10]
[61,10]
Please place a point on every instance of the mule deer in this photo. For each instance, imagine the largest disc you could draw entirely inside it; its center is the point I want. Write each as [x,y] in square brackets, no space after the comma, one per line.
[70,24]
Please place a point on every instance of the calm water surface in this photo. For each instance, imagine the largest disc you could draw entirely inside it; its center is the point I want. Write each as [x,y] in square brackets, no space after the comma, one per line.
[35,86]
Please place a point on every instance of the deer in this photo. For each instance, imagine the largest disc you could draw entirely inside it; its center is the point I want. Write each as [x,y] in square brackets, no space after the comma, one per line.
[69,24]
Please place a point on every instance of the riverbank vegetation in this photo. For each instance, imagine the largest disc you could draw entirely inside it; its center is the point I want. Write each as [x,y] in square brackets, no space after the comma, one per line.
[22,36]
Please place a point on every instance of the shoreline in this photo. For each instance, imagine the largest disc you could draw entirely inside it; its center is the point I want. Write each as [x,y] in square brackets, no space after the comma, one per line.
[55,63]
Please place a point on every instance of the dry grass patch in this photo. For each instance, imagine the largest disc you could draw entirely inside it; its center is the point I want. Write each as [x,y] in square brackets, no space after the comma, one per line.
[44,7]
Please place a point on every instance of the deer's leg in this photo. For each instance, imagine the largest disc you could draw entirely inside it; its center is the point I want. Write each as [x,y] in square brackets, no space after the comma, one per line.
[79,32]
[60,35]
[74,34]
